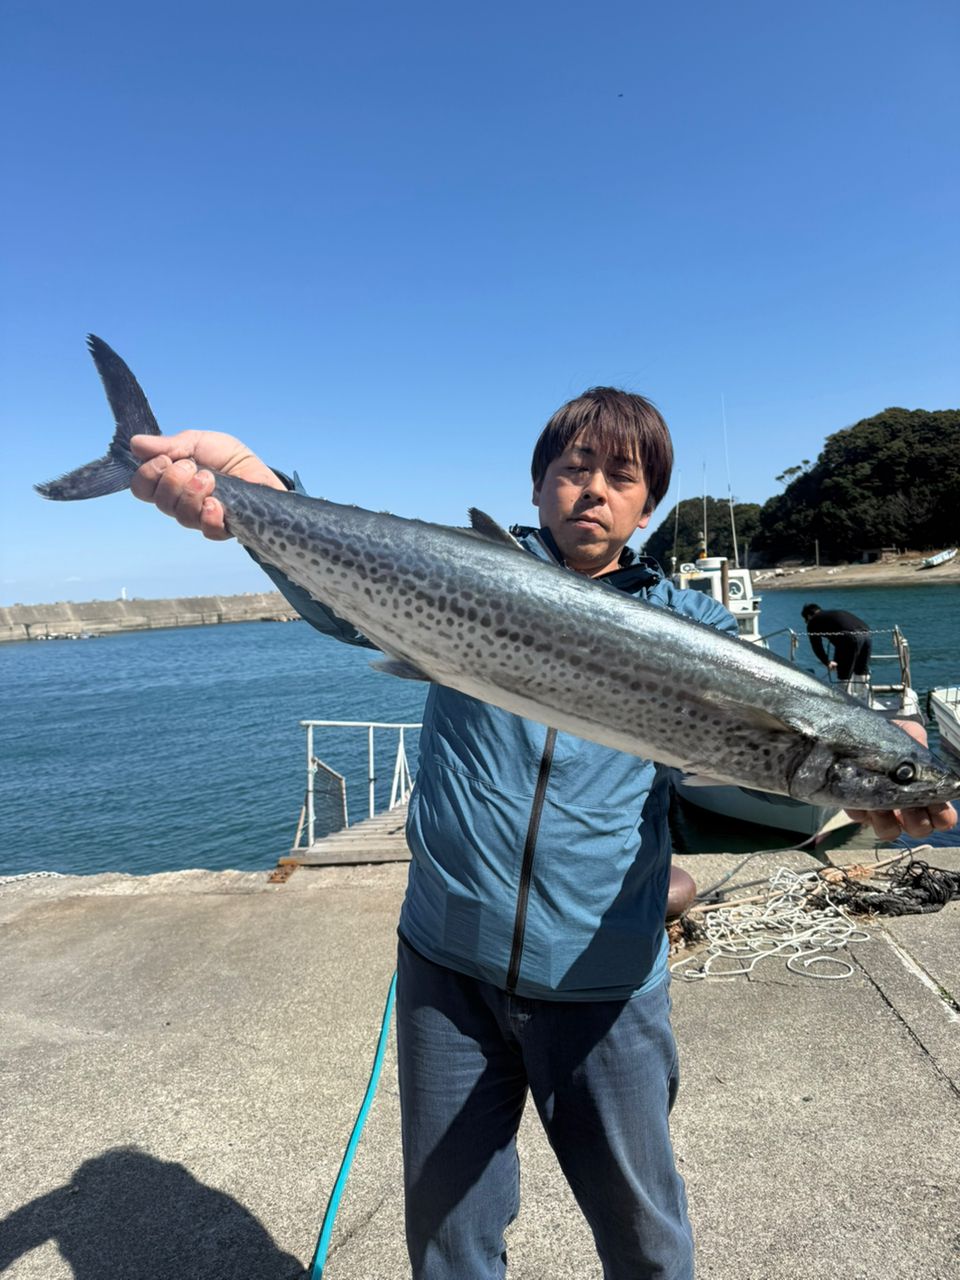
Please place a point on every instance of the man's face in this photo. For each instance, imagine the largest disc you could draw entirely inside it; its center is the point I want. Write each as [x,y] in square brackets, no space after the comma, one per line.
[592,502]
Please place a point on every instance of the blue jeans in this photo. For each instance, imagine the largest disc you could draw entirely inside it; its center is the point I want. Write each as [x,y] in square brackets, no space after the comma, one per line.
[603,1076]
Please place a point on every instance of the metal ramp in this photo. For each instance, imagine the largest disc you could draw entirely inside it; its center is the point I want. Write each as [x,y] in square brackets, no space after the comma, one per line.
[378,838]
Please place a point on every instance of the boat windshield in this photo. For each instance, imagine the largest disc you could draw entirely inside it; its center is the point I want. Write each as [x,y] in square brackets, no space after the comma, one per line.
[703,584]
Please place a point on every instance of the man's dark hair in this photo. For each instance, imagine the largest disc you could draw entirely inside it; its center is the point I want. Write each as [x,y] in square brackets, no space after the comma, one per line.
[618,422]
[809,610]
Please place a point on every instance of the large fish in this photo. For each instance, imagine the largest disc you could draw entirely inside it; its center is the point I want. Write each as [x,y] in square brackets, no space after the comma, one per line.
[470,609]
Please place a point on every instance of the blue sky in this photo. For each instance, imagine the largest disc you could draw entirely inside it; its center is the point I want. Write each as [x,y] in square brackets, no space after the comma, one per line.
[382,243]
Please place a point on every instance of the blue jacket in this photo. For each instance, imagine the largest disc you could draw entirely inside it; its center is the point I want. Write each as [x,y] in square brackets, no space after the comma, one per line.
[540,861]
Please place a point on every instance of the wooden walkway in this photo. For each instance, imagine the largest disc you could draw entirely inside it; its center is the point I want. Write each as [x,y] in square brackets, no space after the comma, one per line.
[377,839]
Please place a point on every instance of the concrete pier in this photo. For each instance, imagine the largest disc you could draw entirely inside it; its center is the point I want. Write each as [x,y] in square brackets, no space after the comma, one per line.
[183,1057]
[68,620]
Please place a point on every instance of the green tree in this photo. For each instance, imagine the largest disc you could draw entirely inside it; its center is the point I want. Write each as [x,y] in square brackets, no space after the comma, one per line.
[889,480]
[790,472]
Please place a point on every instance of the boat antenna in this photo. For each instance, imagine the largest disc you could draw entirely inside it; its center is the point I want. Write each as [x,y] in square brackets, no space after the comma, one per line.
[704,550]
[676,517]
[726,454]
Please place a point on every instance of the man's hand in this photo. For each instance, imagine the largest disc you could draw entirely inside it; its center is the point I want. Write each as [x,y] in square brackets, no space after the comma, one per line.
[174,479]
[888,823]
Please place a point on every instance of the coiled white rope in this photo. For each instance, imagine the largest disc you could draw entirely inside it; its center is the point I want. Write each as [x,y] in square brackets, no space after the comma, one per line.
[782,923]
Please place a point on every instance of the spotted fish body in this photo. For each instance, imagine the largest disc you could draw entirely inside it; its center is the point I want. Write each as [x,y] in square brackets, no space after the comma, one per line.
[472,611]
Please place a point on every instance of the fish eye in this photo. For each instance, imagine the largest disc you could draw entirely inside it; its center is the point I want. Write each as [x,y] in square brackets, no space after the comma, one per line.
[905,772]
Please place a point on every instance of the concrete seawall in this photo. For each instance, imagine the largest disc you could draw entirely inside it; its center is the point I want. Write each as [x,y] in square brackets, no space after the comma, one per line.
[99,617]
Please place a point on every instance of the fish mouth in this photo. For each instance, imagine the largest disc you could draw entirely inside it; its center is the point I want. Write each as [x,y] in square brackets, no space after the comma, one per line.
[935,790]
[944,779]
[821,778]
[952,792]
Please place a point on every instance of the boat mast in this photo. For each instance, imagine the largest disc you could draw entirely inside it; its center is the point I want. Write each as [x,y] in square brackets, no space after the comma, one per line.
[676,519]
[726,454]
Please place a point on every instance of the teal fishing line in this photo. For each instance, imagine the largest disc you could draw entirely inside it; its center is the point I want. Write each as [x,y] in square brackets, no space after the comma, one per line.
[333,1204]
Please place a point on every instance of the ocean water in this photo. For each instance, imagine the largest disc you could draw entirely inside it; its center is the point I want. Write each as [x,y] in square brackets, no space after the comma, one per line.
[161,750]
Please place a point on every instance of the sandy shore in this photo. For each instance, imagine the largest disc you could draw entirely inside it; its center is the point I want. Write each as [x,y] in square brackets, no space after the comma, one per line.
[904,571]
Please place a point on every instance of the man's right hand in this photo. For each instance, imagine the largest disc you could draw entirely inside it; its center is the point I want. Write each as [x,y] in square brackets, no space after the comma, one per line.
[174,476]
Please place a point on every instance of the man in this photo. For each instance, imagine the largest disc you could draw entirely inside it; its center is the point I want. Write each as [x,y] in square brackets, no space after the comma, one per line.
[532,955]
[850,638]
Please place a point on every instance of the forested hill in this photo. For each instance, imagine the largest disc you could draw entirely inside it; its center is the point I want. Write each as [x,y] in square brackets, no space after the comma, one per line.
[892,480]
[686,520]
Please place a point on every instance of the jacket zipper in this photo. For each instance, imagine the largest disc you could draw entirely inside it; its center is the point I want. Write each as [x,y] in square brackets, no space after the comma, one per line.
[533,828]
[526,867]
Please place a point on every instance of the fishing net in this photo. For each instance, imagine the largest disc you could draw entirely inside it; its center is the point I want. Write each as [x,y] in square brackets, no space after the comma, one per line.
[329,799]
[914,888]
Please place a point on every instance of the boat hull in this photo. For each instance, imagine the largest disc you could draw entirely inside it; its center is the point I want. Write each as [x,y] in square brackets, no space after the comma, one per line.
[759,808]
[944,557]
[944,706]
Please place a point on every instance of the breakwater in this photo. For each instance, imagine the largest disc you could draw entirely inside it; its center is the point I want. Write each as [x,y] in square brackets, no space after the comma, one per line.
[68,620]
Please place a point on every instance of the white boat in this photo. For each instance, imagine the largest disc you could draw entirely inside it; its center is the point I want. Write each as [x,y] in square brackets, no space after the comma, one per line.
[733,586]
[759,808]
[944,706]
[942,557]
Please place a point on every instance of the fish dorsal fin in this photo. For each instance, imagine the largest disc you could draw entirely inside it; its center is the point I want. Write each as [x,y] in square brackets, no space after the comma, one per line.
[488,528]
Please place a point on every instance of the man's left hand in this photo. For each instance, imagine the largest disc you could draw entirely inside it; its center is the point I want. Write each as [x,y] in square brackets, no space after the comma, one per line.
[889,823]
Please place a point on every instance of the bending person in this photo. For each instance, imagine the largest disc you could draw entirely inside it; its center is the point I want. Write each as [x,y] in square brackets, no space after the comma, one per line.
[849,637]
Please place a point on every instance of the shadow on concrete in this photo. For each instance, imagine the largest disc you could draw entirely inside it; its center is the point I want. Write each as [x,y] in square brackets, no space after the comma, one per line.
[128,1216]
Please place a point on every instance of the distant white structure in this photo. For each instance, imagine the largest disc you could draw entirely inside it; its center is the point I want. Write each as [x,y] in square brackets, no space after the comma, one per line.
[123,593]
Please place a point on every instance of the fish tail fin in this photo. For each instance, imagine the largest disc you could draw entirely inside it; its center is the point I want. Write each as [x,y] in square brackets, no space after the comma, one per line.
[132,415]
[93,480]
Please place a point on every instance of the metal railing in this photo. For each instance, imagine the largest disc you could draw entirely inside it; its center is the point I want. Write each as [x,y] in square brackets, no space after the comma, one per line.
[900,655]
[901,688]
[402,781]
[784,631]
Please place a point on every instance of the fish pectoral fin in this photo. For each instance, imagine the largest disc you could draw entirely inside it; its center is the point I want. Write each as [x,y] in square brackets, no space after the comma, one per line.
[757,717]
[488,528]
[761,719]
[399,667]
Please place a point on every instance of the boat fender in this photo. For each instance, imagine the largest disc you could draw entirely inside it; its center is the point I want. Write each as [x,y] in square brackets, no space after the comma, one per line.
[681,892]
